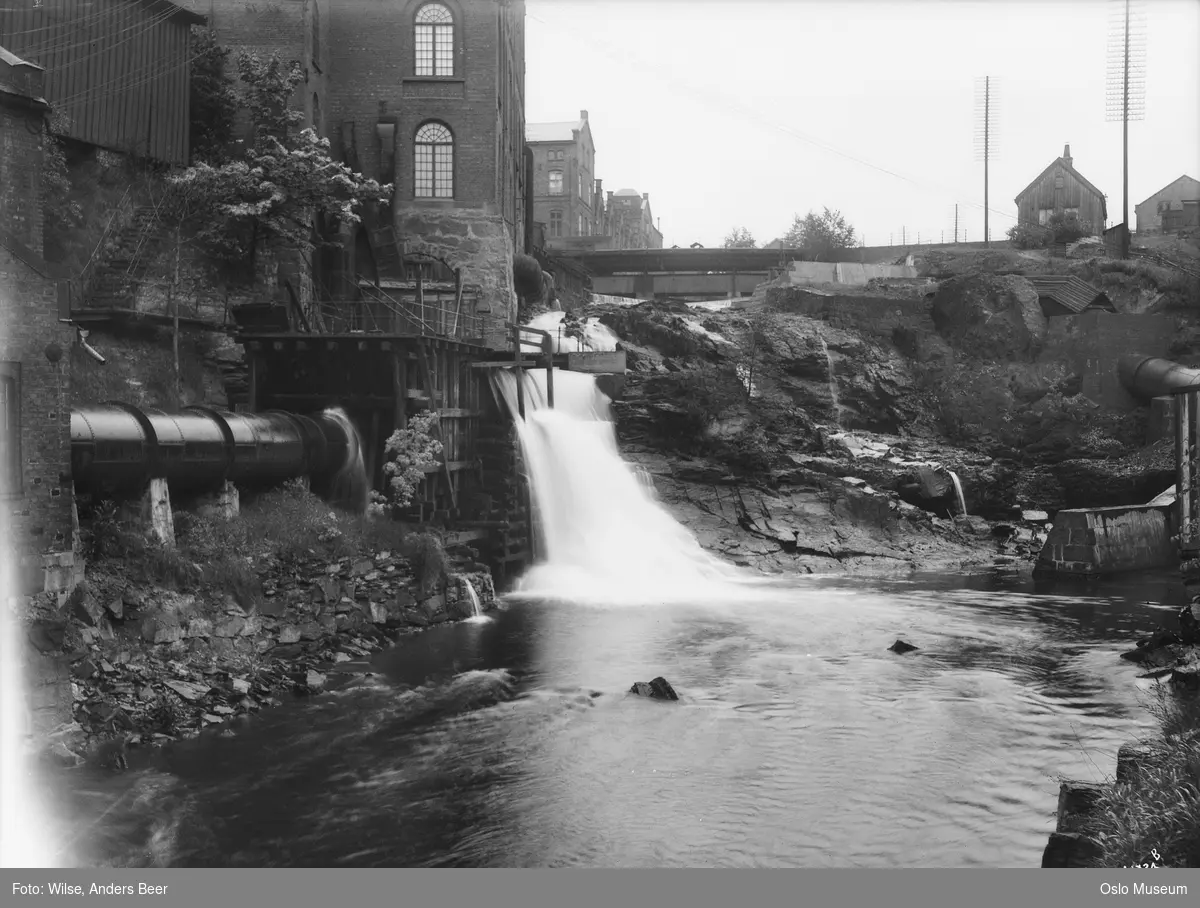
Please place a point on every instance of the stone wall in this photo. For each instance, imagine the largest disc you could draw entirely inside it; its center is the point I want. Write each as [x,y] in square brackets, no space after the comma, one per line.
[878,316]
[1092,342]
[1109,540]
[480,244]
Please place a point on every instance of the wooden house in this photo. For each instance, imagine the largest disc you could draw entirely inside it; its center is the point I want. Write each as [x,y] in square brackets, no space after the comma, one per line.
[119,70]
[1060,188]
[1175,206]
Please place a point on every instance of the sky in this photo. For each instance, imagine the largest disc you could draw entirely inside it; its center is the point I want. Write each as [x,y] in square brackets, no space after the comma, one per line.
[744,113]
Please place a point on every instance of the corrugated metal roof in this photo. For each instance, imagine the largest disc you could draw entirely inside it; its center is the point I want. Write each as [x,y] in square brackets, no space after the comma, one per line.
[552,132]
[1071,293]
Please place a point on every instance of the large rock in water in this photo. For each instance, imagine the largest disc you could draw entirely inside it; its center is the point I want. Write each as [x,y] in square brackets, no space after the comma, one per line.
[995,317]
[658,689]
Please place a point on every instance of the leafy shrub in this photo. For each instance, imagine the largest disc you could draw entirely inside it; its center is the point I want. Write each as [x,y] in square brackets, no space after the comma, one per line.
[527,276]
[409,450]
[1029,236]
[426,556]
[1068,227]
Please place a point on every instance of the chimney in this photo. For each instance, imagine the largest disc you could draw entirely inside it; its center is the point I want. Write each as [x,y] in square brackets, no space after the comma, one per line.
[610,197]
[1067,154]
[646,196]
[583,114]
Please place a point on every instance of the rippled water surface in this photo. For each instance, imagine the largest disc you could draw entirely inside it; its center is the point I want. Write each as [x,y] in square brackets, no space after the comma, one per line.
[799,739]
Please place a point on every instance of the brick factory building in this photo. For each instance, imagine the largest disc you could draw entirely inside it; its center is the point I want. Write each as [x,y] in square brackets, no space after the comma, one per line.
[428,96]
[35,417]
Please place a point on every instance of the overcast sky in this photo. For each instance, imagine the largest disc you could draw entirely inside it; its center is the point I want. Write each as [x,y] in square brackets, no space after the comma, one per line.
[746,113]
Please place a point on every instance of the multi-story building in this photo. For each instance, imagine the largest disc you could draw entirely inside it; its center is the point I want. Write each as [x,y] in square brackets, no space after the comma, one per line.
[35,347]
[631,223]
[426,96]
[564,183]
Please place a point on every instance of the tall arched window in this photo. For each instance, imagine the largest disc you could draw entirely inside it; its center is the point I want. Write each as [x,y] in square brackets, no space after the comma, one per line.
[434,41]
[433,163]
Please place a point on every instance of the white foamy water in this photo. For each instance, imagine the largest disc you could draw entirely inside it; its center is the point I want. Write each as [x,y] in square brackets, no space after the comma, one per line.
[27,835]
[958,492]
[477,615]
[596,337]
[604,539]
[350,487]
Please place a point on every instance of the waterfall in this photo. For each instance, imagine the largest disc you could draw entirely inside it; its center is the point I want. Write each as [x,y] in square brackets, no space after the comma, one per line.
[833,391]
[596,336]
[350,488]
[958,491]
[27,836]
[477,615]
[602,536]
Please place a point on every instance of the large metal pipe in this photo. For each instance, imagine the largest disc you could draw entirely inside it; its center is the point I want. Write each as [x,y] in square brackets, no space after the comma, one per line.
[1152,376]
[116,447]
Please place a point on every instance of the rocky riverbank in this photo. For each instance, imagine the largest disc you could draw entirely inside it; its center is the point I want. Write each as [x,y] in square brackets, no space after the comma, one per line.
[1147,813]
[123,663]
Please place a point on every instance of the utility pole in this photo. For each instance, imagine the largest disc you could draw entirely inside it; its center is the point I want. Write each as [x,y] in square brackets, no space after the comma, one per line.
[955,223]
[985,139]
[1126,87]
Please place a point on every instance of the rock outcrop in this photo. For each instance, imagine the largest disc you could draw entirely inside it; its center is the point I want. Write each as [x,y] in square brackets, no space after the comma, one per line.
[991,317]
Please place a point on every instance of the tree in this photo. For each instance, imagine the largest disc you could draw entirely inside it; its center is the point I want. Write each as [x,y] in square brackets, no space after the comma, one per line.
[266,196]
[819,234]
[214,100]
[739,238]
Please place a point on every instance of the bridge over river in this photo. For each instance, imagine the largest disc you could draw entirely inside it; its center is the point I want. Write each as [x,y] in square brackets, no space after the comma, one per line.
[682,274]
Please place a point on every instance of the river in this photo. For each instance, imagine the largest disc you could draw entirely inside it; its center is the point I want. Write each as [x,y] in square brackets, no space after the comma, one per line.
[799,740]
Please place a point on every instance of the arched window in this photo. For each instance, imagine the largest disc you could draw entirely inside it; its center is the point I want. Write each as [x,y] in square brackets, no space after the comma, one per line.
[433,164]
[434,41]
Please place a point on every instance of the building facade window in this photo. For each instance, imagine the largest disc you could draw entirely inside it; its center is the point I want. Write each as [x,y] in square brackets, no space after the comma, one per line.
[10,430]
[556,182]
[580,233]
[434,41]
[433,162]
[556,223]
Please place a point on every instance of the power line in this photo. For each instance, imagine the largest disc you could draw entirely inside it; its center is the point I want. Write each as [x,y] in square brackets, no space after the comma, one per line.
[750,115]
[140,28]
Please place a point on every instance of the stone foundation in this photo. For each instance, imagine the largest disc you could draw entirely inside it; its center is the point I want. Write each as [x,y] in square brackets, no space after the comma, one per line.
[1108,540]
[479,243]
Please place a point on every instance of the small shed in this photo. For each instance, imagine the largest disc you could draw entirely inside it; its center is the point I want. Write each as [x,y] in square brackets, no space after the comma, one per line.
[1061,295]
